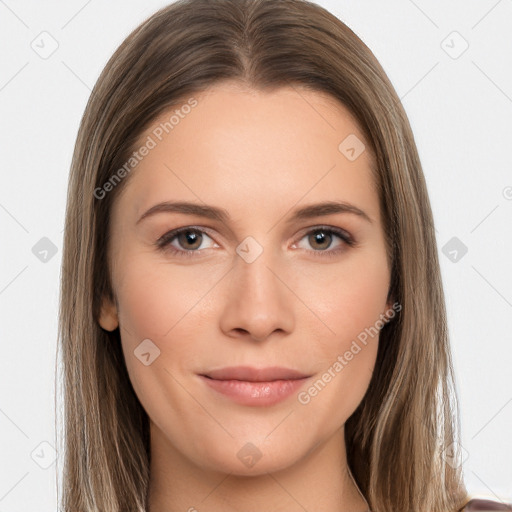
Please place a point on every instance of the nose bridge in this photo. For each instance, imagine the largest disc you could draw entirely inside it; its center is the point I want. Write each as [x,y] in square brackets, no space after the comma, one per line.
[257,300]
[253,271]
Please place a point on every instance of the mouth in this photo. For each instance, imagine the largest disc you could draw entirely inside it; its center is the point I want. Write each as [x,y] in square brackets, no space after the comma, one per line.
[255,387]
[250,374]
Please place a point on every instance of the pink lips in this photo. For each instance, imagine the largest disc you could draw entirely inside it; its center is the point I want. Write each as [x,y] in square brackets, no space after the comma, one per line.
[252,386]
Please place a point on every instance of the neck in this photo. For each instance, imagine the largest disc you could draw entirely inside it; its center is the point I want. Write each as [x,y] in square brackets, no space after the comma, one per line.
[319,481]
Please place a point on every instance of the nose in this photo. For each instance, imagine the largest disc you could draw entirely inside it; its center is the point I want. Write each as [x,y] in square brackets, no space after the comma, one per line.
[257,300]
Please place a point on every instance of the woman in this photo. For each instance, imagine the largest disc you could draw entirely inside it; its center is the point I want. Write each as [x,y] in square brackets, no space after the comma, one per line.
[254,370]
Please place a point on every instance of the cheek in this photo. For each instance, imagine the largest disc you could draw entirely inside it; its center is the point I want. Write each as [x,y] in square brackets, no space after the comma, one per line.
[349,298]
[167,304]
[346,352]
[155,296]
[348,303]
[160,303]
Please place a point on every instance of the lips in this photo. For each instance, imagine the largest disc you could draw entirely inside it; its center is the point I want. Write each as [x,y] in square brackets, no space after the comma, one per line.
[255,386]
[249,374]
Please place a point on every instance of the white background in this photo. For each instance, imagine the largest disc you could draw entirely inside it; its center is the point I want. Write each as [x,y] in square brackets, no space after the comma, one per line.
[460,110]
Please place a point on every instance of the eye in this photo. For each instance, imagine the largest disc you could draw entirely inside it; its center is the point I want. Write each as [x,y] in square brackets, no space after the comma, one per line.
[321,239]
[187,241]
[182,241]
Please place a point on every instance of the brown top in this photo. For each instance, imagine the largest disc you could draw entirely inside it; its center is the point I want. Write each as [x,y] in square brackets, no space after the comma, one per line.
[484,505]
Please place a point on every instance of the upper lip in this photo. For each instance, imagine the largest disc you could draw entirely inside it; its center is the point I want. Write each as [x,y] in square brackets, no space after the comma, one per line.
[247,373]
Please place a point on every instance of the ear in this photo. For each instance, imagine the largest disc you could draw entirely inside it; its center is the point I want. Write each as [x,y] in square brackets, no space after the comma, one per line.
[390,308]
[108,316]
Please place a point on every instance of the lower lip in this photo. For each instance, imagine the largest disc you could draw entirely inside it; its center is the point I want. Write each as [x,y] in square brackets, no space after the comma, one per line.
[255,393]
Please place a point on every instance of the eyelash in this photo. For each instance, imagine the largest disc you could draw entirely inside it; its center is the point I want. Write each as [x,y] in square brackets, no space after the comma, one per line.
[163,243]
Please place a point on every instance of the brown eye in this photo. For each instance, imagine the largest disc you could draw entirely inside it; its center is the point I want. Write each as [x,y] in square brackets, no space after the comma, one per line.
[320,240]
[182,241]
[190,239]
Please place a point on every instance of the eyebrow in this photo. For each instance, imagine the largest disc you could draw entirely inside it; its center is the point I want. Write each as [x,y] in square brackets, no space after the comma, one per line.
[220,214]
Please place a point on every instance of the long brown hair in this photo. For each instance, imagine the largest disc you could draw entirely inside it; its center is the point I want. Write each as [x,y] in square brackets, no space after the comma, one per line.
[399,436]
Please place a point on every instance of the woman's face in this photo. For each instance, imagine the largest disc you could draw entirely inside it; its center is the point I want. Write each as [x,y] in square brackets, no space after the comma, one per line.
[256,285]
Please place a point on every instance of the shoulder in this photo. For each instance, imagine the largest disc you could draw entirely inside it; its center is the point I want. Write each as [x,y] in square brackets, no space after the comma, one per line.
[486,505]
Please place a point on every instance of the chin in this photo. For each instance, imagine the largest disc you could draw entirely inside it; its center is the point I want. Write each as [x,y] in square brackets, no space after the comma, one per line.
[249,459]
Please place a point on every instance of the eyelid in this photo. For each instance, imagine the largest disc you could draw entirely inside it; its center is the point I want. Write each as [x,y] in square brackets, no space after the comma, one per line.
[342,233]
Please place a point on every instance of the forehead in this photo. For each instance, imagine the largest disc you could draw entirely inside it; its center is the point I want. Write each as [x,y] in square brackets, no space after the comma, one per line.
[256,149]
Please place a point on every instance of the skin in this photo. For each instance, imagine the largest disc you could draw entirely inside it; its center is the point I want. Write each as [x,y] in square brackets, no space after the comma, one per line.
[259,155]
